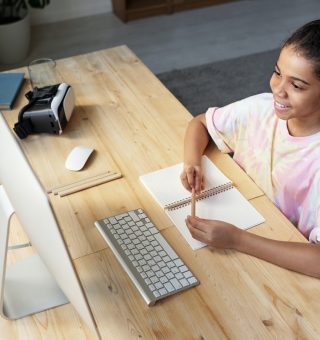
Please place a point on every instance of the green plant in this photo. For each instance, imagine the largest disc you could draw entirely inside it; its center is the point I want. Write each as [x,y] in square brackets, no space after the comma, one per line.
[14,10]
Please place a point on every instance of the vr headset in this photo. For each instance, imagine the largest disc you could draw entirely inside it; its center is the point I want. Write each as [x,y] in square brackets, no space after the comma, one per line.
[49,110]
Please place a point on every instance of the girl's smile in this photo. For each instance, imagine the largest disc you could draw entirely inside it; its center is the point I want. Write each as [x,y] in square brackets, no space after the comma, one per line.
[280,107]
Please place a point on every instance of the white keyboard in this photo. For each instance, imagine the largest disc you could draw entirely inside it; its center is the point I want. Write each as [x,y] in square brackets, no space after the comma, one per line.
[153,266]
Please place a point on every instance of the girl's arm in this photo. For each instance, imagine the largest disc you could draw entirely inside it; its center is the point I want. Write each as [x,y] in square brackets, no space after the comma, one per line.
[195,141]
[300,257]
[297,256]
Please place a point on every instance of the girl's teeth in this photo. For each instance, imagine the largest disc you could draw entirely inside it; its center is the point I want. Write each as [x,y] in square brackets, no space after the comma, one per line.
[281,106]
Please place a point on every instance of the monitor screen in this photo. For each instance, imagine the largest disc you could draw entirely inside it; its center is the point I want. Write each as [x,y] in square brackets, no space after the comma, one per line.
[36,216]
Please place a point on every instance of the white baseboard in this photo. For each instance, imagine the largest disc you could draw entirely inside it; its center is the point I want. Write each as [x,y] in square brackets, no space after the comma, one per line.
[59,10]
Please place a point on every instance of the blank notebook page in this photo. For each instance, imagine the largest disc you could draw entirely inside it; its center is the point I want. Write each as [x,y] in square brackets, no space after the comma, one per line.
[226,204]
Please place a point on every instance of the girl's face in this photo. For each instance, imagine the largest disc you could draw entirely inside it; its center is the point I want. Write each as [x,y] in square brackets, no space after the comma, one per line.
[296,89]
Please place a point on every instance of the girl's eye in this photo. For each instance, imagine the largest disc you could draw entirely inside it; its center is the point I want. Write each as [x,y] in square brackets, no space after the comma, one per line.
[276,72]
[296,86]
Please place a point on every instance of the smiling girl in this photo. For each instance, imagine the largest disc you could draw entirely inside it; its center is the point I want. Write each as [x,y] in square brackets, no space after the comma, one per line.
[275,138]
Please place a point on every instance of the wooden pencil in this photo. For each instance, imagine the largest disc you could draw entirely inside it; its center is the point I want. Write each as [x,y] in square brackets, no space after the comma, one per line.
[193,203]
[87,185]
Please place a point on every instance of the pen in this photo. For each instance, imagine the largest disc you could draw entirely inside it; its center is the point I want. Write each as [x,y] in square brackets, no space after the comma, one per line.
[193,203]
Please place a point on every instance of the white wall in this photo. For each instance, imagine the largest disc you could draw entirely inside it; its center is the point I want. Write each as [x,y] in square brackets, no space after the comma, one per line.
[59,10]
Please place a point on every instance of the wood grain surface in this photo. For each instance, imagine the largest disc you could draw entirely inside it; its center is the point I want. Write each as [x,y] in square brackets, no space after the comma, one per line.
[137,126]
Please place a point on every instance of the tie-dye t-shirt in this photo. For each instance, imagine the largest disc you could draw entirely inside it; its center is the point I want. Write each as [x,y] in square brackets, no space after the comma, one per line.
[286,168]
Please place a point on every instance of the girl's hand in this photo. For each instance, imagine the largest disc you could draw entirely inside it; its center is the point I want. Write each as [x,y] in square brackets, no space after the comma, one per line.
[192,177]
[215,233]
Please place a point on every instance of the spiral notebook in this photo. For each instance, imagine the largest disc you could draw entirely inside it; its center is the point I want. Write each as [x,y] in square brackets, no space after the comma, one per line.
[220,200]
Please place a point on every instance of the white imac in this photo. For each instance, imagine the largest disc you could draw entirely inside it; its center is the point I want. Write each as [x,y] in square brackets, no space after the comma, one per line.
[48,278]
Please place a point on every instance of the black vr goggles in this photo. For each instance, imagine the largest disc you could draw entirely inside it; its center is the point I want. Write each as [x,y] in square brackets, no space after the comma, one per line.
[49,110]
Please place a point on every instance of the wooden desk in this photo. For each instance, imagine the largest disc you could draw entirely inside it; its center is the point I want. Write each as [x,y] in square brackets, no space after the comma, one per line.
[142,126]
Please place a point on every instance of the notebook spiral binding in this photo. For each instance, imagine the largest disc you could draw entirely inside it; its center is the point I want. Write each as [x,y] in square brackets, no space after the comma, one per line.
[207,193]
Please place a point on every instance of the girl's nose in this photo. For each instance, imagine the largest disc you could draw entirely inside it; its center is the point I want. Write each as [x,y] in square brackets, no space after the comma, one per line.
[280,89]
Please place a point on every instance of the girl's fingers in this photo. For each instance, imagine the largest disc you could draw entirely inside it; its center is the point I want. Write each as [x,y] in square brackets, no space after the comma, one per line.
[184,181]
[195,232]
[190,176]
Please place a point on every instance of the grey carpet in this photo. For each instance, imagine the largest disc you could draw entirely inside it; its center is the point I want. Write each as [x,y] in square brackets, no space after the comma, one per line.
[221,83]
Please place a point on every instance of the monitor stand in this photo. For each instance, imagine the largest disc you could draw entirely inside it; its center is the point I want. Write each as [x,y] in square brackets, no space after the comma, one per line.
[26,287]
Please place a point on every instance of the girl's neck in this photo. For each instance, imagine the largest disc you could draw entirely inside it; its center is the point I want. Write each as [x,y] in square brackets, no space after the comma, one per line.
[298,128]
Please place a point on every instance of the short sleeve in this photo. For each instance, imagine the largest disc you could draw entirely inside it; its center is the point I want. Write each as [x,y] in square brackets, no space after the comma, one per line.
[228,124]
[314,235]
[314,208]
[214,133]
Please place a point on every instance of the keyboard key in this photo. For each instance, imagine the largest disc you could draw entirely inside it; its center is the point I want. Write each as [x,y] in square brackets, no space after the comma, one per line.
[158,285]
[164,245]
[150,273]
[158,248]
[183,269]
[178,262]
[176,284]
[174,270]
[153,230]
[170,276]
[161,264]
[147,257]
[163,279]
[179,276]
[169,287]
[112,220]
[145,254]
[155,268]
[152,287]
[146,268]
[134,216]
[151,263]
[187,274]
[165,270]
[154,279]
[184,282]
[159,274]
[142,262]
[192,280]
[162,291]
[138,257]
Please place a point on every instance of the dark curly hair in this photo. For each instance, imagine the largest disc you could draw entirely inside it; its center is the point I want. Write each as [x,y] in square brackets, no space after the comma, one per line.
[306,40]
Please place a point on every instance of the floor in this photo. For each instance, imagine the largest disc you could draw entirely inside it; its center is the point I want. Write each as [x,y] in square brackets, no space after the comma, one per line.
[182,39]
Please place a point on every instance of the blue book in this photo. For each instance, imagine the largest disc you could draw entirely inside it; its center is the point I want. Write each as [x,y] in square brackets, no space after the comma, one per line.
[10,84]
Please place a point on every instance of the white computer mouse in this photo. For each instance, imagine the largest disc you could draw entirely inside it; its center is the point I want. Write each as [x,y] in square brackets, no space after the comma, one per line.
[78,157]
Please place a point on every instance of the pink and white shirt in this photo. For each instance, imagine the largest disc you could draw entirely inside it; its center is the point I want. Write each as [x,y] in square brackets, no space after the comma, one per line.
[286,168]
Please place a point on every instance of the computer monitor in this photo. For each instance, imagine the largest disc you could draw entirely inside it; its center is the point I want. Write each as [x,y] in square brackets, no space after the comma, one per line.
[48,278]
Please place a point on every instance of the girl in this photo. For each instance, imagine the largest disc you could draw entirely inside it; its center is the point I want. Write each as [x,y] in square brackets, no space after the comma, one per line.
[275,138]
